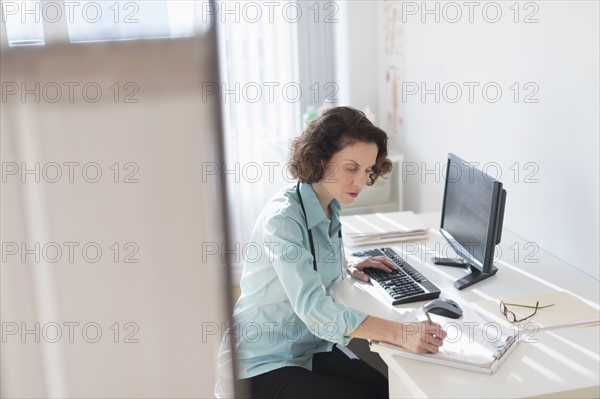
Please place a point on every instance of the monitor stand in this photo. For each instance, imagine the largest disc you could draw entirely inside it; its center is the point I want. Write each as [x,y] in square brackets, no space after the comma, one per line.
[474,277]
[450,262]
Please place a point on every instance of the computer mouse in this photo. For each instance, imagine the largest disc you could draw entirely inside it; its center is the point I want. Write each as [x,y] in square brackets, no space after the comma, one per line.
[444,307]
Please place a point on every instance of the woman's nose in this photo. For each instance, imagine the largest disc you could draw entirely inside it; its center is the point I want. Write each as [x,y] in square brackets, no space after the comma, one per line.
[361,179]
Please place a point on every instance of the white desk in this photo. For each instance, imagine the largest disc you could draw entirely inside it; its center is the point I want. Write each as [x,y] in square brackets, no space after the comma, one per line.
[563,363]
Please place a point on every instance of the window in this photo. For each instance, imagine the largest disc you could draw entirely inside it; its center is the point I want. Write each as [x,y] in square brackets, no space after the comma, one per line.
[23,23]
[88,21]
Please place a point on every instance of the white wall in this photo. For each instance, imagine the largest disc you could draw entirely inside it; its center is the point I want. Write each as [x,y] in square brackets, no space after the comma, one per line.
[554,141]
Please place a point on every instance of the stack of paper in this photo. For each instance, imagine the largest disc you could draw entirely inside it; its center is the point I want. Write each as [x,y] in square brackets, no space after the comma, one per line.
[568,310]
[376,228]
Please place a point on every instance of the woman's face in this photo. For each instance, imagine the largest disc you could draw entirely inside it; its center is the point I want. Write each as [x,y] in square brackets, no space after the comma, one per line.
[348,171]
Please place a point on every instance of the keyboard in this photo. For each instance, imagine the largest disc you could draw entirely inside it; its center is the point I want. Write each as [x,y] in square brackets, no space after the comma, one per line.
[404,285]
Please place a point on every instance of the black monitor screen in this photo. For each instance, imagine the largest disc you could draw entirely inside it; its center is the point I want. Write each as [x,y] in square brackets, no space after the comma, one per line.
[470,211]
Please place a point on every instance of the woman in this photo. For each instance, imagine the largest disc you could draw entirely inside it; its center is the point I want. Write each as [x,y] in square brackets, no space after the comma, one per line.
[290,331]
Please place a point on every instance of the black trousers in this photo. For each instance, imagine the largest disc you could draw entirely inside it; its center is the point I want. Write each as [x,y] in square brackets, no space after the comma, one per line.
[334,375]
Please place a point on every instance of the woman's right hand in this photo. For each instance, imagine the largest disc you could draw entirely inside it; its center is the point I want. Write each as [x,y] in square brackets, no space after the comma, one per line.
[420,337]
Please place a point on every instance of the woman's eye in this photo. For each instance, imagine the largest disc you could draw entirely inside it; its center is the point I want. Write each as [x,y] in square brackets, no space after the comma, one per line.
[351,170]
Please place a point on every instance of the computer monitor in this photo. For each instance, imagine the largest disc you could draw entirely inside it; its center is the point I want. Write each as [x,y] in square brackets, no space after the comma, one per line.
[472,217]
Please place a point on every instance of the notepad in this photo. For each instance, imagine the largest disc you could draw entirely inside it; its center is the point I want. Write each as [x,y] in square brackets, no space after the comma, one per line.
[568,311]
[469,345]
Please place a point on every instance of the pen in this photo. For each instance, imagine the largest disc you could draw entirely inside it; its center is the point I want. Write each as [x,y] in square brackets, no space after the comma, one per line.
[428,318]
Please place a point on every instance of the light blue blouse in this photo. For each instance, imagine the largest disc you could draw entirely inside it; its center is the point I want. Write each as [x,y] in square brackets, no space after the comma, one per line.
[285,313]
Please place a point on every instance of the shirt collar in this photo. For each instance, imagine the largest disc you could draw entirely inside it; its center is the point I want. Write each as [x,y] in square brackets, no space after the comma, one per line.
[336,224]
[314,212]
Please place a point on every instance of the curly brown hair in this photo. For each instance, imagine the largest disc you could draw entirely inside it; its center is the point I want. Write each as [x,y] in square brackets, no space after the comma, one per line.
[337,128]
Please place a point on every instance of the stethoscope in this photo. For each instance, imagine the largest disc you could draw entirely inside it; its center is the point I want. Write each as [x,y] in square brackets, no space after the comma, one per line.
[310,237]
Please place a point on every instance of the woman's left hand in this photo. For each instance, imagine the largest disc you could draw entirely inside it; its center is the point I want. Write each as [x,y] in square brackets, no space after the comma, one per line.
[378,262]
